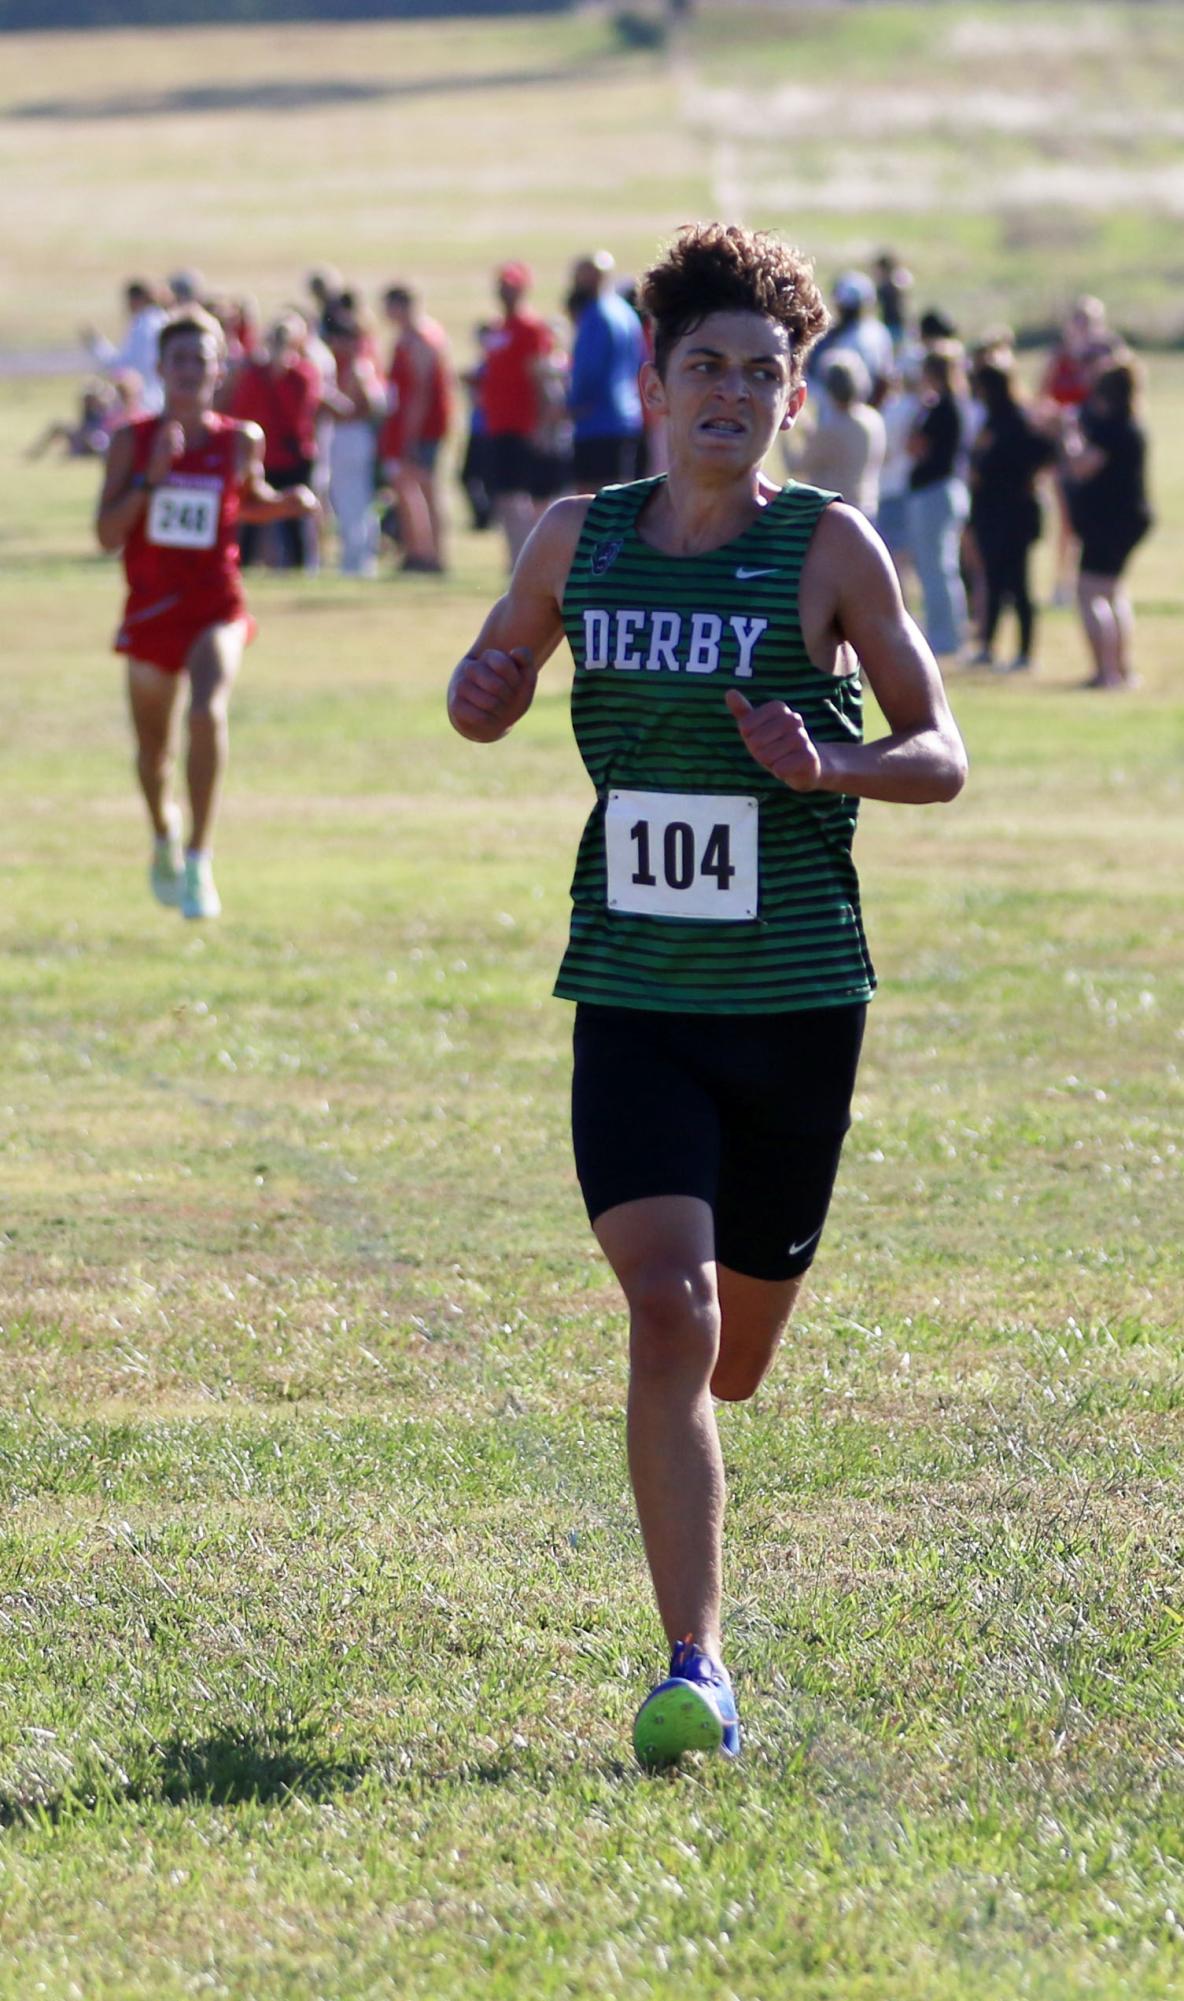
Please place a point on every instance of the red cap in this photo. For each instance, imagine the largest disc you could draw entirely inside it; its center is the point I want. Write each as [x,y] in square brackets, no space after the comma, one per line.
[517,274]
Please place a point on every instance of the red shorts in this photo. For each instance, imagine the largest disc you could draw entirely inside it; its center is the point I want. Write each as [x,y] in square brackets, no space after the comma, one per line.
[163,633]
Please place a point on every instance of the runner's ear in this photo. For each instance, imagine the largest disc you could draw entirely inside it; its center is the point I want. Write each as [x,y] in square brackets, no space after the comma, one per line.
[797,398]
[653,389]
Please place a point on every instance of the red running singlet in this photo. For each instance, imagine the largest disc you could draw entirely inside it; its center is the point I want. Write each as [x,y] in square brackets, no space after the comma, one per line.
[392,443]
[181,557]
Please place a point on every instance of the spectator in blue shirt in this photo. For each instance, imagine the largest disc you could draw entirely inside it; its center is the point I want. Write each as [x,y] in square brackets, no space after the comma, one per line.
[603,397]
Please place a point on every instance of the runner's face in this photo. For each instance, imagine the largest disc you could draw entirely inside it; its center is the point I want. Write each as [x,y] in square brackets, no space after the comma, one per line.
[727,390]
[189,368]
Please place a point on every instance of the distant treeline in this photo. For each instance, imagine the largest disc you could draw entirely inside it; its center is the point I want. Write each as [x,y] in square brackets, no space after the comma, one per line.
[32,14]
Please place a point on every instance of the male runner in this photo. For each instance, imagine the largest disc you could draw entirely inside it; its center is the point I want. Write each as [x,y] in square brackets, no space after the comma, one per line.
[175,489]
[719,627]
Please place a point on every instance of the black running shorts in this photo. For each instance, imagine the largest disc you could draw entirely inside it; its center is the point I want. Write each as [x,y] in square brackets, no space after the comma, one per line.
[747,1112]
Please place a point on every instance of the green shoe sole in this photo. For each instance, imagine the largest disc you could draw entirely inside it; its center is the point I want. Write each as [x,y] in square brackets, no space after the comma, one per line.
[677,1717]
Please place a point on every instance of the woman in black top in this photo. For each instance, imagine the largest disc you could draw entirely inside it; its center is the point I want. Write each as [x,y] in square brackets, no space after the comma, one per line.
[937,499]
[1004,510]
[1106,483]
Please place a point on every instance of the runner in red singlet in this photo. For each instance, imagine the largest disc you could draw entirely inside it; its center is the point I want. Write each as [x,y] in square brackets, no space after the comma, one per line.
[175,490]
[420,414]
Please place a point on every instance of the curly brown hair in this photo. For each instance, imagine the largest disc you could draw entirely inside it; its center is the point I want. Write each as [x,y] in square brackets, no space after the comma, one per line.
[717,267]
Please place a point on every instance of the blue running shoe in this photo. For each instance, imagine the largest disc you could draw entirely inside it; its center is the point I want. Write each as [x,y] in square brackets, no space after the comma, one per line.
[694,1709]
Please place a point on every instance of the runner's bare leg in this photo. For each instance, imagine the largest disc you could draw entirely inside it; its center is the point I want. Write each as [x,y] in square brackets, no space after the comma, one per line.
[214,660]
[153,698]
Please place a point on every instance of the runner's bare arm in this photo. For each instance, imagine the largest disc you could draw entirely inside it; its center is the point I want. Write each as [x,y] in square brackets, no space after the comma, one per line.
[922,759]
[494,684]
[126,494]
[261,502]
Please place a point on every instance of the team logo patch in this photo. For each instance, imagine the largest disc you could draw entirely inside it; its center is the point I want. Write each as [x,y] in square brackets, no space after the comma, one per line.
[604,555]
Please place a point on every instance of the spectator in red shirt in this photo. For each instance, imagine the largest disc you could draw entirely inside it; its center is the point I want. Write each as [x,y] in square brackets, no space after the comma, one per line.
[282,393]
[1086,343]
[511,403]
[420,413]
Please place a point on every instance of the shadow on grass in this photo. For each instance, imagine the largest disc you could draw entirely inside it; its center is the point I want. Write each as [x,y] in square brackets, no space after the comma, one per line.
[293,94]
[233,1768]
[230,1768]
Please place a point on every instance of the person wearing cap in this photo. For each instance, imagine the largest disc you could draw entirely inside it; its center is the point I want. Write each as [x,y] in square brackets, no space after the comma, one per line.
[854,327]
[511,404]
[603,395]
[186,288]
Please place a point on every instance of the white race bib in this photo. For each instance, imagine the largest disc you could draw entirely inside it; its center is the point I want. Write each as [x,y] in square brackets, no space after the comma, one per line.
[185,517]
[682,854]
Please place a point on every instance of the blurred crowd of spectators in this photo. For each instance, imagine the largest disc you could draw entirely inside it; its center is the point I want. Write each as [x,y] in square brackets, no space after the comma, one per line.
[360,400]
[934,439]
[939,443]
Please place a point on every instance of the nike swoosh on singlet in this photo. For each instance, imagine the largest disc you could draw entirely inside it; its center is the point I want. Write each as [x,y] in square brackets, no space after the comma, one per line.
[743,576]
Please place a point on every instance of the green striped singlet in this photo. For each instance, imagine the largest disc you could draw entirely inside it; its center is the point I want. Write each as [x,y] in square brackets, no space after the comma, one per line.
[766,872]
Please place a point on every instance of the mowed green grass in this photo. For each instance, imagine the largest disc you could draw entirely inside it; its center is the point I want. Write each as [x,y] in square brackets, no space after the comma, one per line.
[322,1609]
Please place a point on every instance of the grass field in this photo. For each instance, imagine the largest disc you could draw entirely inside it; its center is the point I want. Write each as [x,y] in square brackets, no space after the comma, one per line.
[322,1611]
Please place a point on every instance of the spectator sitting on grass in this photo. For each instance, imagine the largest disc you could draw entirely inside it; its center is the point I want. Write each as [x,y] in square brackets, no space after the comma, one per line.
[104,407]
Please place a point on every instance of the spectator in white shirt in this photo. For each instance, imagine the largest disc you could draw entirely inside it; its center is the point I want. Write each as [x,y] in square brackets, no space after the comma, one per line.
[138,348]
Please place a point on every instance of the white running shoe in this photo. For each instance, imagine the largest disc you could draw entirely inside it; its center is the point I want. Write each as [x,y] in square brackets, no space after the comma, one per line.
[200,898]
[166,875]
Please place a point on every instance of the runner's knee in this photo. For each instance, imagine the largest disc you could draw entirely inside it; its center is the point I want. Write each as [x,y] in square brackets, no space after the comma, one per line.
[152,760]
[674,1321]
[210,697]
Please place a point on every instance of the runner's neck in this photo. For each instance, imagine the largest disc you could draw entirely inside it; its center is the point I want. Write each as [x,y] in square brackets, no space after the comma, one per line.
[690,519]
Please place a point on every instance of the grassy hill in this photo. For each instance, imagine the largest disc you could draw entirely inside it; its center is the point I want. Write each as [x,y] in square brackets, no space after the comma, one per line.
[1013,155]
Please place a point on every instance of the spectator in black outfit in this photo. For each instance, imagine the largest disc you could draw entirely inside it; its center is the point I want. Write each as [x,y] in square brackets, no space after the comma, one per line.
[893,284]
[1004,510]
[938,502]
[475,467]
[934,326]
[1106,460]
